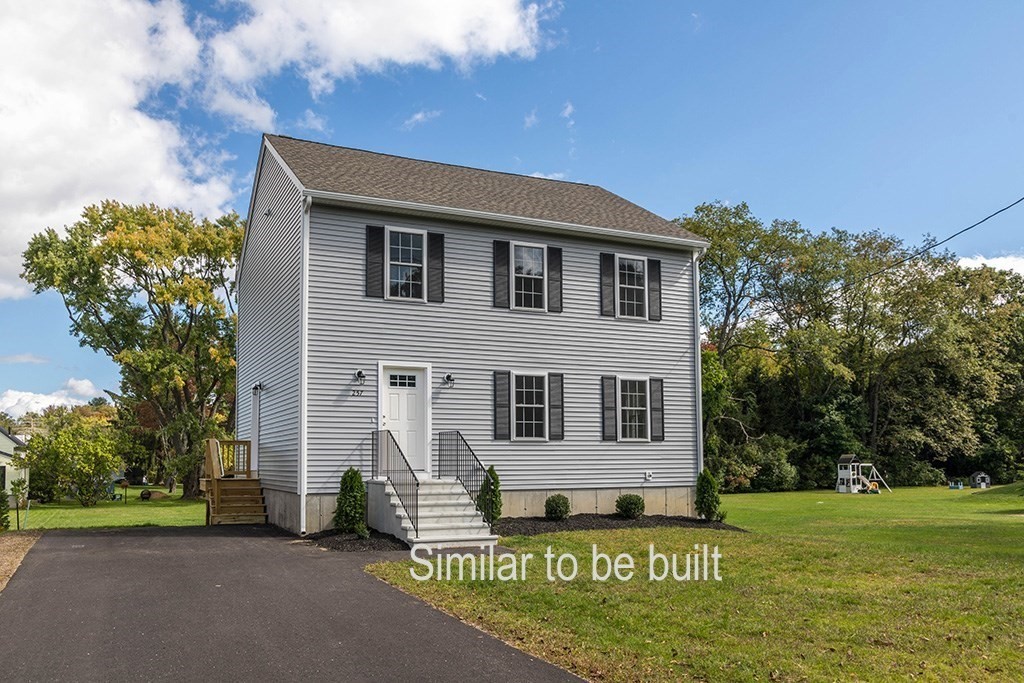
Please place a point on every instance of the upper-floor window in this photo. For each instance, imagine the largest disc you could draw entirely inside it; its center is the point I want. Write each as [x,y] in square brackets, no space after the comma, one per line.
[631,278]
[528,282]
[405,264]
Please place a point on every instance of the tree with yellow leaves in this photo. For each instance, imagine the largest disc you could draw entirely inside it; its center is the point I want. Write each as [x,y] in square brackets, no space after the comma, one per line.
[153,288]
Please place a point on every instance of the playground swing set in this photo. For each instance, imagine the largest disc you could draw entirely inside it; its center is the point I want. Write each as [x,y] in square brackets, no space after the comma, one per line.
[858,477]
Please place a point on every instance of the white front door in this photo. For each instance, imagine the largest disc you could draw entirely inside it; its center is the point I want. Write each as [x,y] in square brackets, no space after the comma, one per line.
[404,412]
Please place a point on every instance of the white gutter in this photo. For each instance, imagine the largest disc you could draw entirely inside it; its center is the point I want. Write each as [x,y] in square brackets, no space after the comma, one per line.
[378,203]
[303,362]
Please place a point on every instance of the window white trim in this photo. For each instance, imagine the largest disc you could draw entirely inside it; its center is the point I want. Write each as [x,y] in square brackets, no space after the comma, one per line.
[388,229]
[512,277]
[617,299]
[618,406]
[512,404]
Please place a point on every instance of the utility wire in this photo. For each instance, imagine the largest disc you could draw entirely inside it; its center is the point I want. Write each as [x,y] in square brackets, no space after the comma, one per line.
[910,257]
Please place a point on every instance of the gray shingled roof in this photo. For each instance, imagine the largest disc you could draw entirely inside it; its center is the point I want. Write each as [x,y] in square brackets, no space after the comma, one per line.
[350,171]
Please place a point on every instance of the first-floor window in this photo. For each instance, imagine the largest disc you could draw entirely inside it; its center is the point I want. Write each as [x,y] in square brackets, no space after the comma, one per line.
[530,406]
[405,264]
[633,409]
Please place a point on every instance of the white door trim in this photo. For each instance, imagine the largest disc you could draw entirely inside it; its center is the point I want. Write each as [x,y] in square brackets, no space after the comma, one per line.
[428,436]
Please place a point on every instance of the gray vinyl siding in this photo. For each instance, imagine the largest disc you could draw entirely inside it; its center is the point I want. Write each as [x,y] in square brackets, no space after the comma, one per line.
[269,304]
[469,338]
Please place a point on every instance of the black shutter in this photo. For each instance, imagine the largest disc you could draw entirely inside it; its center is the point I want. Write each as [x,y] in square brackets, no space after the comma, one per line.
[435,267]
[608,284]
[375,261]
[657,389]
[653,289]
[502,416]
[609,423]
[554,279]
[556,408]
[501,284]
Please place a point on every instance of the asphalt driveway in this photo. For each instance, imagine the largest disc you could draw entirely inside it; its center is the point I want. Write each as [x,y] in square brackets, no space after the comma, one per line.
[231,604]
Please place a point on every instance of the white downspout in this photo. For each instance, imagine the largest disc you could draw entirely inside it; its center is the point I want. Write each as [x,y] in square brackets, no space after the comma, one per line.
[307,203]
[698,398]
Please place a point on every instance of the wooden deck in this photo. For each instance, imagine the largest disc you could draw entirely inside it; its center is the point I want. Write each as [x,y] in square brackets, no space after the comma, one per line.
[233,494]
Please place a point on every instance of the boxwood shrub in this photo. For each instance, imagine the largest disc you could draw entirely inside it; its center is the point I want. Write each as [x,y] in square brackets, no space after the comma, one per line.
[556,507]
[630,505]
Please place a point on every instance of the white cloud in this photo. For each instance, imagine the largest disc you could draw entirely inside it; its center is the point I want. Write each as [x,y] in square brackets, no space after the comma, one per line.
[328,40]
[74,393]
[19,358]
[419,118]
[481,96]
[567,110]
[312,121]
[548,176]
[77,77]
[530,120]
[1014,262]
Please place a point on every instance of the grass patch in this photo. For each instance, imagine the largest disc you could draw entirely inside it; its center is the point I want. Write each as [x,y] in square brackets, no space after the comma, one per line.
[922,582]
[172,511]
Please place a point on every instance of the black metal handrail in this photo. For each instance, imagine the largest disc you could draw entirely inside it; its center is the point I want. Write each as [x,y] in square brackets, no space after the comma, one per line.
[390,462]
[456,459]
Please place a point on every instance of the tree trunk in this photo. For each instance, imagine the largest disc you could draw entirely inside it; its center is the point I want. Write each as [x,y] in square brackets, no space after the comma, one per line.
[190,484]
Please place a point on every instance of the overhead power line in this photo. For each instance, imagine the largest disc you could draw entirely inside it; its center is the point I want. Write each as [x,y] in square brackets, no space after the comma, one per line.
[910,257]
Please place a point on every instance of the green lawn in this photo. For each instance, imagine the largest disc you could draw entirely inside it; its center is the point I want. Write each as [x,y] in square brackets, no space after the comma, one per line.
[922,582]
[171,511]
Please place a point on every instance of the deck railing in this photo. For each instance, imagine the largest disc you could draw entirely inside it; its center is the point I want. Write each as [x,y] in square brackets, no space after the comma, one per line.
[390,462]
[456,459]
[236,458]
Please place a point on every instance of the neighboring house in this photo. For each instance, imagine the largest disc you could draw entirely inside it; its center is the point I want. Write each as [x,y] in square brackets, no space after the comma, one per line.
[8,472]
[553,325]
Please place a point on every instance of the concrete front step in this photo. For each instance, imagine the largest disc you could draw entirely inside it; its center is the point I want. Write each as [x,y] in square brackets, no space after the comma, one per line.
[441,542]
[447,516]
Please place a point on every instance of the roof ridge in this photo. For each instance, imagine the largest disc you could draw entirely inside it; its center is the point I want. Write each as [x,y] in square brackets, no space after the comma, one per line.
[435,163]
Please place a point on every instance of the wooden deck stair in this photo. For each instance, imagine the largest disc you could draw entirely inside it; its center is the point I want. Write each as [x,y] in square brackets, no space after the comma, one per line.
[241,502]
[233,494]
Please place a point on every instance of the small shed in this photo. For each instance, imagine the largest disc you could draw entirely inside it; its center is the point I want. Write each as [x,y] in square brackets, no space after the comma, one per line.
[980,480]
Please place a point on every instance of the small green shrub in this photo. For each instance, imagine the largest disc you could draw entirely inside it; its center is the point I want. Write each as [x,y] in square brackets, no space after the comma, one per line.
[350,515]
[556,507]
[630,505]
[707,497]
[5,508]
[489,500]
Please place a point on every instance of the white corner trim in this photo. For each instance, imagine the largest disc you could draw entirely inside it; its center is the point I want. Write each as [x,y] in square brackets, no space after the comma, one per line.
[698,386]
[378,203]
[307,203]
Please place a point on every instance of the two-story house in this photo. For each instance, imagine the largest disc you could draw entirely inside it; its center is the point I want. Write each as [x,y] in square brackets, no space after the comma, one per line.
[421,321]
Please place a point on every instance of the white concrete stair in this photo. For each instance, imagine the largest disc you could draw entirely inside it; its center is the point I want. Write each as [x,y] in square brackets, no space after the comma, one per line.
[448,518]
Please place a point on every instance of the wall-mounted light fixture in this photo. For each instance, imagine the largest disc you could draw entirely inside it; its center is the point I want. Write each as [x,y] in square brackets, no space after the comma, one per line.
[360,377]
[449,379]
[257,388]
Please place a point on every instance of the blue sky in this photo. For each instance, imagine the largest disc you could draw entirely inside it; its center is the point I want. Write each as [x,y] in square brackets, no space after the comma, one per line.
[907,117]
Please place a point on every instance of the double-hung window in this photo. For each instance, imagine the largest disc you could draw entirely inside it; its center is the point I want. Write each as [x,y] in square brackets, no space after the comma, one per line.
[631,280]
[529,406]
[528,280]
[405,264]
[634,409]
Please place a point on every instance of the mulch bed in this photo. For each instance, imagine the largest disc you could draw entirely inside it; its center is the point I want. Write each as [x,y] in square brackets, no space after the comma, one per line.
[332,539]
[532,526]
